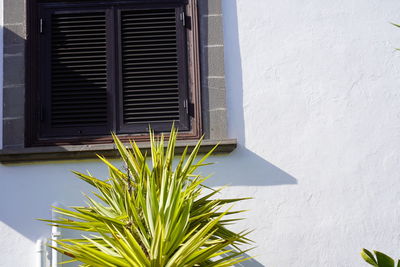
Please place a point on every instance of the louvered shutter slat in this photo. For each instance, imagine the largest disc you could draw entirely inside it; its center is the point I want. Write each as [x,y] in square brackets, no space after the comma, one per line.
[79,74]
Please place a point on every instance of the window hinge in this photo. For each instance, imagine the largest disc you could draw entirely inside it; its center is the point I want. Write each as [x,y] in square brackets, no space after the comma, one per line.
[189,107]
[191,110]
[185,20]
[41,26]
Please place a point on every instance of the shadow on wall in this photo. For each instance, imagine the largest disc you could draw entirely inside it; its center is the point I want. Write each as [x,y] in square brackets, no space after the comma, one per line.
[233,71]
[28,191]
[245,168]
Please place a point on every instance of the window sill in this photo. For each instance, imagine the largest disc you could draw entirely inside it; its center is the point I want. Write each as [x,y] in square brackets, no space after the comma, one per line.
[76,152]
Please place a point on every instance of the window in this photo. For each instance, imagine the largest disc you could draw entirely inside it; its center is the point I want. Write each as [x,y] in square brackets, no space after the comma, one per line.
[23,115]
[117,66]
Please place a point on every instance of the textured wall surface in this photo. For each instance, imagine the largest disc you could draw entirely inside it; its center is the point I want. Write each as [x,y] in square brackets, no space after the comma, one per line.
[316,86]
[313,93]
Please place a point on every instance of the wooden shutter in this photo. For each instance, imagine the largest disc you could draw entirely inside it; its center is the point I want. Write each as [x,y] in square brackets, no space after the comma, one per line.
[153,70]
[74,80]
[112,66]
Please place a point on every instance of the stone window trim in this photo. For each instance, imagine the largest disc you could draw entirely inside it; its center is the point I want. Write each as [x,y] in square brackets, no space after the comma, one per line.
[212,81]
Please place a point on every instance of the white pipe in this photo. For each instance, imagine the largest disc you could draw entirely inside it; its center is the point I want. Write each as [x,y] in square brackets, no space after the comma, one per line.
[39,253]
[55,256]
[55,235]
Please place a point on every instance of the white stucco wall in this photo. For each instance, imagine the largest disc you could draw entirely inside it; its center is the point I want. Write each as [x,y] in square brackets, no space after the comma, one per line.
[314,99]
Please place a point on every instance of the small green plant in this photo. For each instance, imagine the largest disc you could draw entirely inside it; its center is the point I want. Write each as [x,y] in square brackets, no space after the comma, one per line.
[378,259]
[154,215]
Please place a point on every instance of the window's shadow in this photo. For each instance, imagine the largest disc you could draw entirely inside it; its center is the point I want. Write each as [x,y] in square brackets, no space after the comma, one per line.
[233,70]
[243,167]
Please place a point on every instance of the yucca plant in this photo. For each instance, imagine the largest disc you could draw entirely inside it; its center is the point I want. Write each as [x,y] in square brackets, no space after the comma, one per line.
[152,214]
[378,259]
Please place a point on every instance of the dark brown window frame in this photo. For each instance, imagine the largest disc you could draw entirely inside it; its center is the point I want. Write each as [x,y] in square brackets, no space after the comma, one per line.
[32,117]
